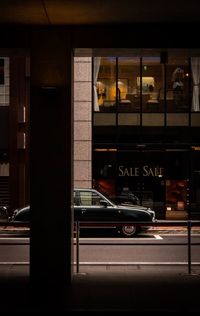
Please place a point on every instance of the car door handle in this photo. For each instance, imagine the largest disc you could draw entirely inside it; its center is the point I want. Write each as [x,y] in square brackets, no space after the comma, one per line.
[83,210]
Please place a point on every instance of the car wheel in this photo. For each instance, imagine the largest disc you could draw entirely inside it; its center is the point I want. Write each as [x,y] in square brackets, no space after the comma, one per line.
[128,230]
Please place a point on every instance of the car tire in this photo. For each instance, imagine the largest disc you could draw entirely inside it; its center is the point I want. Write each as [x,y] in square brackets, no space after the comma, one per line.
[128,231]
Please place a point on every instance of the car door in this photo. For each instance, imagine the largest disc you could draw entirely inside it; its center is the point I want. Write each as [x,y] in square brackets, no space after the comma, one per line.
[90,207]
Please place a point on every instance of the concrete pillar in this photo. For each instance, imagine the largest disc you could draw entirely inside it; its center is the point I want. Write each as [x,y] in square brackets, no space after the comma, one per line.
[51,167]
[83,122]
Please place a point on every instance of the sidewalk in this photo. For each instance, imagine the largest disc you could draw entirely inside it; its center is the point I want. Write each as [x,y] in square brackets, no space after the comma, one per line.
[136,289]
[98,289]
[106,288]
[173,230]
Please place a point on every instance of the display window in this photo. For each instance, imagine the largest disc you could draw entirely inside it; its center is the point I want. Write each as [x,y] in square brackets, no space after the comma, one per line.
[146,83]
[157,178]
[151,117]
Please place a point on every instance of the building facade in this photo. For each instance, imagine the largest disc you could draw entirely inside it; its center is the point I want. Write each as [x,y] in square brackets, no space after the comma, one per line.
[136,127]
[121,111]
[145,117]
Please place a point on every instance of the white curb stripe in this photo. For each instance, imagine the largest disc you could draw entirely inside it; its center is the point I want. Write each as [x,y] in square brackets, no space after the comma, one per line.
[136,263]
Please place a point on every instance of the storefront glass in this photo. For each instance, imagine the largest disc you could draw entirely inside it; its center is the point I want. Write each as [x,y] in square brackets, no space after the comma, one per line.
[145,148]
[158,178]
[14,131]
[177,182]
[4,123]
[194,208]
[152,84]
[128,88]
[104,77]
[149,82]
[178,80]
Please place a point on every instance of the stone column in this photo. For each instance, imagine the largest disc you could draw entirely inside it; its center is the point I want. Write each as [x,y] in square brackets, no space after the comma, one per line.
[82,122]
[51,167]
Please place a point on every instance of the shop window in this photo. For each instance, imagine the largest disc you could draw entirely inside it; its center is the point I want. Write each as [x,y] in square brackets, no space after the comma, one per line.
[125,84]
[1,71]
[105,186]
[177,84]
[104,82]
[151,83]
[4,81]
[195,66]
[147,82]
[176,195]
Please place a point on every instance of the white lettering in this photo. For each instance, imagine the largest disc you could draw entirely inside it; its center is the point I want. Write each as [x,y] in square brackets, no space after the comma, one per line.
[151,172]
[162,171]
[120,171]
[145,171]
[135,172]
[126,173]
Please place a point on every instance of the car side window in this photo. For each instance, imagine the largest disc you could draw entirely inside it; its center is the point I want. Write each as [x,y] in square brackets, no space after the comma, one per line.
[75,199]
[89,198]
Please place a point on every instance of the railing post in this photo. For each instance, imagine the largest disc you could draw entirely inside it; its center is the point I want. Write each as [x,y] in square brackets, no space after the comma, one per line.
[189,246]
[77,246]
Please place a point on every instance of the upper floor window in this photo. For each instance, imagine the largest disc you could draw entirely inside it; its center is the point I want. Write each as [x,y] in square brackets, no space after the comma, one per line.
[146,84]
[156,91]
[4,81]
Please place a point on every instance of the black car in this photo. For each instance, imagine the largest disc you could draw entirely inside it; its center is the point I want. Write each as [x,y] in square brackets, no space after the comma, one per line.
[91,207]
[127,199]
[21,214]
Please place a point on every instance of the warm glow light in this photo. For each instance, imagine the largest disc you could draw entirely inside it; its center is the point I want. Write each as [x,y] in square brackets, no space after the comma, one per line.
[105,149]
[180,205]
[24,114]
[195,147]
[120,82]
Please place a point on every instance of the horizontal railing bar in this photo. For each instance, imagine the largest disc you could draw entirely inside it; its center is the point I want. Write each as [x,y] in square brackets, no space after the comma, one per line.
[14,263]
[139,244]
[187,223]
[156,223]
[88,224]
[114,244]
[137,263]
[111,263]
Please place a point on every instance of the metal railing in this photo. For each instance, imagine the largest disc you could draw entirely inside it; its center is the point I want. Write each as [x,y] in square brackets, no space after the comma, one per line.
[182,223]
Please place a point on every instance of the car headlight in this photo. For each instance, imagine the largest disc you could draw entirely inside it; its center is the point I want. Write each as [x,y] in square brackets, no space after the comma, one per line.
[12,218]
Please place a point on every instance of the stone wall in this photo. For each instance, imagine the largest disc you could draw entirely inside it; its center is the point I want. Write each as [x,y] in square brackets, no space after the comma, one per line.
[82,122]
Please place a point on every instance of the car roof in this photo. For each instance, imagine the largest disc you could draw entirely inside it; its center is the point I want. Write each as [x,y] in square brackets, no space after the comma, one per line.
[24,208]
[85,189]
